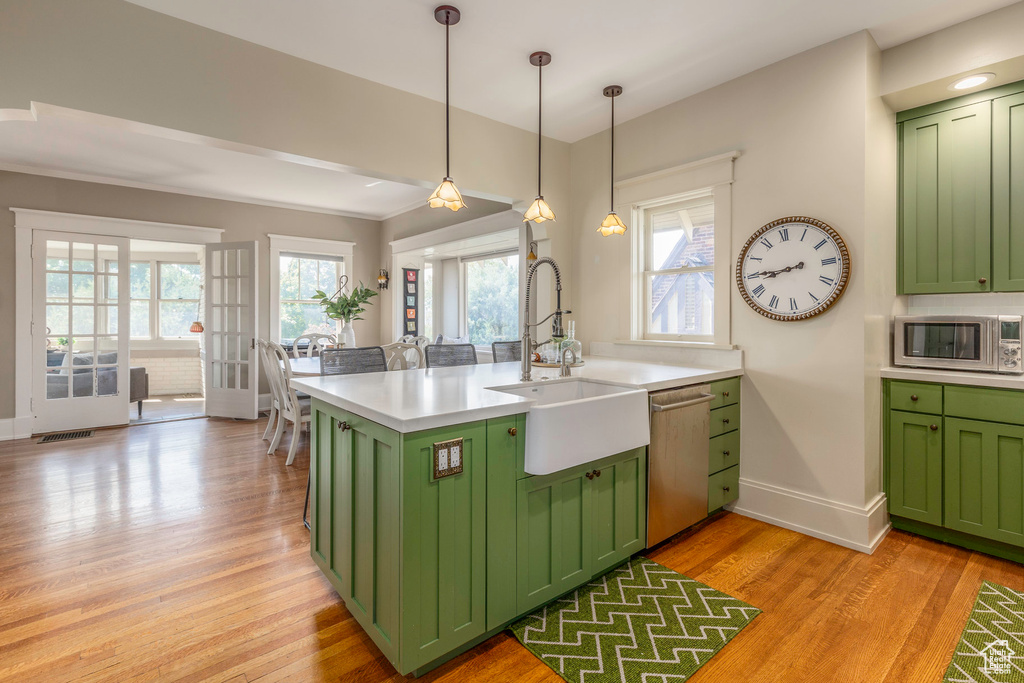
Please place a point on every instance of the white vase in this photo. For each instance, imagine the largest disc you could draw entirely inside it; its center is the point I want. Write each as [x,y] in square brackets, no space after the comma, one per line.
[346,336]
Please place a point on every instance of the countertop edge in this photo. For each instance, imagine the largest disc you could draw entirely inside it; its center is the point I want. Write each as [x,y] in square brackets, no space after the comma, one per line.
[976,379]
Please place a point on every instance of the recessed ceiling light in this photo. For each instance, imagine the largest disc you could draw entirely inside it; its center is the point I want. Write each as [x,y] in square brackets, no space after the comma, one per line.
[972,81]
[375,183]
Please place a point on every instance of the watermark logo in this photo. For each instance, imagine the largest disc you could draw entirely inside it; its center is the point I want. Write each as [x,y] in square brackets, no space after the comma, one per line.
[997,656]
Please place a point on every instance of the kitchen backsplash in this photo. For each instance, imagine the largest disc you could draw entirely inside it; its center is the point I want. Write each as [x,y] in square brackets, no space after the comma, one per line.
[1004,303]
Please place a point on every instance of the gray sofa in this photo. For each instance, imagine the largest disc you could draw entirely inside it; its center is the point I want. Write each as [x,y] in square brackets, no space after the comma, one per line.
[82,380]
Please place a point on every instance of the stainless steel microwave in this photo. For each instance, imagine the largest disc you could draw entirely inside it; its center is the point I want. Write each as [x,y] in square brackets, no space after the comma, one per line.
[983,343]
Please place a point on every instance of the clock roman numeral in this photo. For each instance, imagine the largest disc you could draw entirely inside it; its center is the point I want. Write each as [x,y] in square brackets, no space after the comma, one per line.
[827,280]
[766,243]
[784,234]
[755,258]
[813,297]
[758,291]
[753,276]
[792,304]
[803,235]
[774,301]
[828,261]
[820,244]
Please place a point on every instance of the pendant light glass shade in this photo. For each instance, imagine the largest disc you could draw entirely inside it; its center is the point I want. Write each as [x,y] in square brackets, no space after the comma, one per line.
[447,195]
[539,211]
[612,224]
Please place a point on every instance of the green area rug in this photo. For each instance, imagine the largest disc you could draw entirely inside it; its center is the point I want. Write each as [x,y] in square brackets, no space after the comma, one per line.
[639,623]
[991,648]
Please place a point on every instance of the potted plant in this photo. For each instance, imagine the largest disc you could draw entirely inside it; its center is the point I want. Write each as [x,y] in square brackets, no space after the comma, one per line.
[344,308]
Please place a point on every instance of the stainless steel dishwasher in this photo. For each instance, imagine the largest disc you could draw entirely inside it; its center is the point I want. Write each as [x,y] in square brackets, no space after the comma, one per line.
[677,471]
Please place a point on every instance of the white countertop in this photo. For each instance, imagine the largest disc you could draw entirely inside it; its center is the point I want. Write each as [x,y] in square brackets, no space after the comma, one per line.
[976,379]
[413,400]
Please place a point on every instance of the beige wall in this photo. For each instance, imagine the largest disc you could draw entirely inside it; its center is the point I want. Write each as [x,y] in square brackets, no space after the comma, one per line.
[241,222]
[801,126]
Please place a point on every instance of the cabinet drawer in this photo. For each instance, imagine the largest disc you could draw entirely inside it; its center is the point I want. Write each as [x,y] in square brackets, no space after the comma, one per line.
[916,397]
[725,452]
[726,391]
[723,487]
[725,420]
[991,405]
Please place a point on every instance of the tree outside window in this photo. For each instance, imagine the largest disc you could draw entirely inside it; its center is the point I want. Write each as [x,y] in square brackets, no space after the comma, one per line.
[492,299]
[300,277]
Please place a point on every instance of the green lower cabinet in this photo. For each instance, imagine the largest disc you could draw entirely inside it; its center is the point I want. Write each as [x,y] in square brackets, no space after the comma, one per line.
[579,523]
[503,443]
[723,488]
[915,466]
[985,479]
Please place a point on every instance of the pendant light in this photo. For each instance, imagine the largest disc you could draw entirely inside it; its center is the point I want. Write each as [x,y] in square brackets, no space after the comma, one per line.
[446,194]
[539,211]
[612,224]
[197,326]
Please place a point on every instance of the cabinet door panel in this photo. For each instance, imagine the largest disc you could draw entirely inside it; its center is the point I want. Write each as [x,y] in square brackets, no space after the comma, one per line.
[985,479]
[619,504]
[946,202]
[503,436]
[1008,194]
[915,466]
[553,549]
[444,549]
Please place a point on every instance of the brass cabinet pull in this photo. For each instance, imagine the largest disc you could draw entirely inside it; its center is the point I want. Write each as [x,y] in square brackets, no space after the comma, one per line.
[597,473]
[934,427]
[512,431]
[726,489]
[982,280]
[725,393]
[725,453]
[725,420]
[589,475]
[913,397]
[344,426]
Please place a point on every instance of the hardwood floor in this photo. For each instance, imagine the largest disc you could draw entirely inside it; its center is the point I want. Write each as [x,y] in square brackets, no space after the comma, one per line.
[175,552]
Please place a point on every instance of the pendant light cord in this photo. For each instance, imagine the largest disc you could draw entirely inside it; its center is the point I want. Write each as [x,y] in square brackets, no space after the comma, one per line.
[540,104]
[611,188]
[447,100]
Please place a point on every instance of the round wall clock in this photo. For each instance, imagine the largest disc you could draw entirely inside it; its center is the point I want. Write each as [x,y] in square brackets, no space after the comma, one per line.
[793,268]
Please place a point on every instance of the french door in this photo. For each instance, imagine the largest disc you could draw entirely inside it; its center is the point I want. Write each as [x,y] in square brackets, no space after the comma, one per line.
[79,331]
[232,379]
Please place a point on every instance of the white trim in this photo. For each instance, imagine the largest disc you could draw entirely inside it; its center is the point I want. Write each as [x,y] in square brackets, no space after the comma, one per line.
[857,528]
[305,245]
[702,173]
[15,428]
[497,222]
[35,219]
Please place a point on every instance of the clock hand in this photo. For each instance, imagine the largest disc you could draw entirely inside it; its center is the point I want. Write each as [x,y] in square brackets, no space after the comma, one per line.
[774,273]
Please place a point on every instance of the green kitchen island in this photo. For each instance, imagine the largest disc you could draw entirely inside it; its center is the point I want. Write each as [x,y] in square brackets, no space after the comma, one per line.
[431,563]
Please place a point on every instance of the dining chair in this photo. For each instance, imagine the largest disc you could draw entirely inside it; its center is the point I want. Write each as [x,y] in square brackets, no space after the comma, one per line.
[353,361]
[265,361]
[419,341]
[292,408]
[450,355]
[400,356]
[314,342]
[505,351]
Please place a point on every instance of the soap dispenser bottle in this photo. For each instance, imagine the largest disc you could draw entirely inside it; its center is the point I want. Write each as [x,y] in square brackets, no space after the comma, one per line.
[571,342]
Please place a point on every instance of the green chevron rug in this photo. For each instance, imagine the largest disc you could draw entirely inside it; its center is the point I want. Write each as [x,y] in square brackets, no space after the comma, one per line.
[991,648]
[639,623]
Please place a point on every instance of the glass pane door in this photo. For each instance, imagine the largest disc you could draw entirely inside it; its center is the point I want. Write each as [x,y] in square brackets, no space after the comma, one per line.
[81,352]
[231,381]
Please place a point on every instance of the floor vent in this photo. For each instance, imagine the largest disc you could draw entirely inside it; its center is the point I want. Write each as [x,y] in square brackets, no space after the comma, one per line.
[66,436]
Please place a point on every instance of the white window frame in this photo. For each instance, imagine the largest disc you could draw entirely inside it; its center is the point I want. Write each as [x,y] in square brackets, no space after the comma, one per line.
[289,244]
[708,177]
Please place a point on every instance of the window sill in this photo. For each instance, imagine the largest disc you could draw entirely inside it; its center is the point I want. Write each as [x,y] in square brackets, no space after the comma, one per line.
[665,343]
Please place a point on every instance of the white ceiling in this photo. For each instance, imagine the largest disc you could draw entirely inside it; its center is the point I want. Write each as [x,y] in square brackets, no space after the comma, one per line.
[660,51]
[66,143]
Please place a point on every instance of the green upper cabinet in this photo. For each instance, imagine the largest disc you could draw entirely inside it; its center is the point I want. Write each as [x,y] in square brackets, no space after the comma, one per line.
[945,192]
[1008,193]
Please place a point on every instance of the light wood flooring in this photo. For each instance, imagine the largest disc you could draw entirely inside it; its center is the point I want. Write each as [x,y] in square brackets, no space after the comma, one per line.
[175,552]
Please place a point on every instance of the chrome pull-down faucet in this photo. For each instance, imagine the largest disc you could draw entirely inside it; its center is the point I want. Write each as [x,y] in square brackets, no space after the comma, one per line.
[556,323]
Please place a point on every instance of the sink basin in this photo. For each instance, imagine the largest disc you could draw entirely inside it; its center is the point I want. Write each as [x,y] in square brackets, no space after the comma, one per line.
[576,421]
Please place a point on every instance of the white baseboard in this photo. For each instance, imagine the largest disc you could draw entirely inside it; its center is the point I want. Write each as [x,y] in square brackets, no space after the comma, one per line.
[849,526]
[264,402]
[15,428]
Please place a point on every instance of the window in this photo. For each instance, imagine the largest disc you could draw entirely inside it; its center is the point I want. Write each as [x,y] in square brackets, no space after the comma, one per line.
[300,276]
[679,270]
[164,299]
[492,298]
